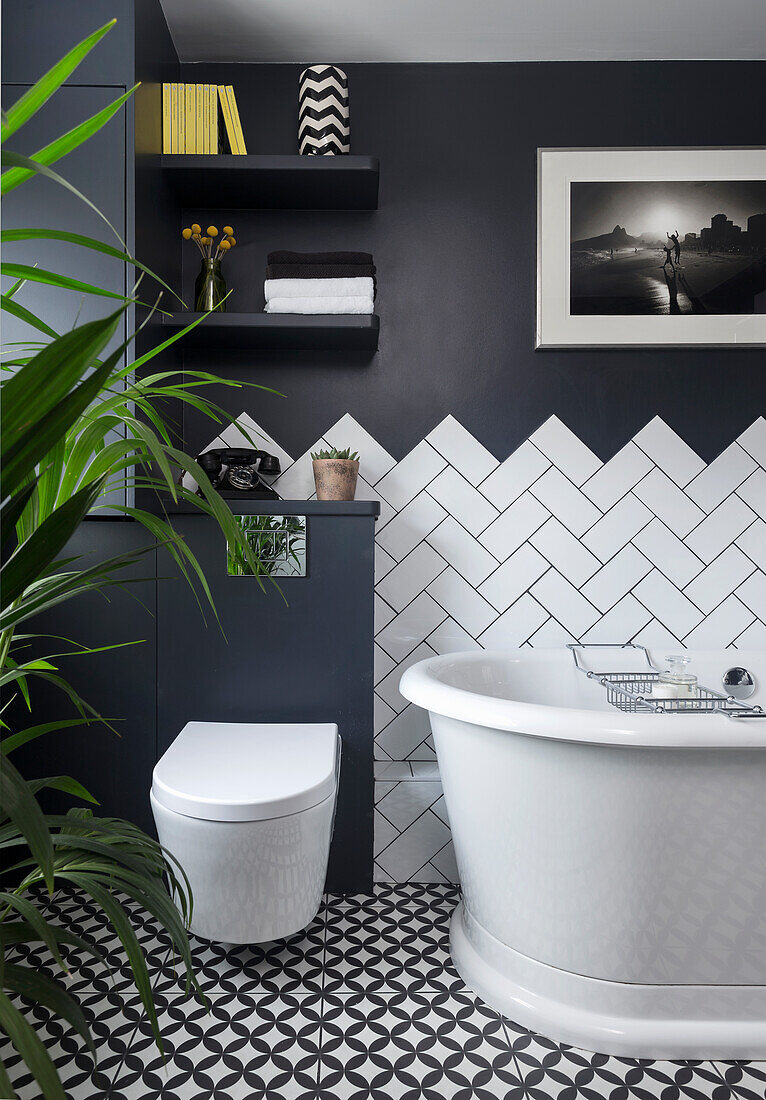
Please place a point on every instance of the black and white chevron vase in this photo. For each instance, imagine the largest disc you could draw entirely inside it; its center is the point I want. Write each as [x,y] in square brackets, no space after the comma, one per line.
[323,128]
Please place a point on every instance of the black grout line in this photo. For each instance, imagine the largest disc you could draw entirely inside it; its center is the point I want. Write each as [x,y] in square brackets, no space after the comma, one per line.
[497,461]
[475,538]
[401,832]
[114,1080]
[659,467]
[711,514]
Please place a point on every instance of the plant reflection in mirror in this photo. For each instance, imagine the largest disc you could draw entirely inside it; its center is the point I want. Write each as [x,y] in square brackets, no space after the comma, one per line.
[278,543]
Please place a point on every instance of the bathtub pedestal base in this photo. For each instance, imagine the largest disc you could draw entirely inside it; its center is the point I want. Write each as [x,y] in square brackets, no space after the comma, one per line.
[637,1021]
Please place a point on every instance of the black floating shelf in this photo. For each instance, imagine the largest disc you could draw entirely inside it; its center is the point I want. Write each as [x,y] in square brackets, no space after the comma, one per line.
[278,330]
[274,182]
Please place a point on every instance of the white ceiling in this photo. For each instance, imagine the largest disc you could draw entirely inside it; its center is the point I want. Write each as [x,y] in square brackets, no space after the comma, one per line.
[459,30]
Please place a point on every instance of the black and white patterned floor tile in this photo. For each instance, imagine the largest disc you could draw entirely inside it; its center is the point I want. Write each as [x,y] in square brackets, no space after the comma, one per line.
[746,1079]
[388,947]
[113,1021]
[407,1045]
[284,966]
[263,1047]
[363,1005]
[553,1071]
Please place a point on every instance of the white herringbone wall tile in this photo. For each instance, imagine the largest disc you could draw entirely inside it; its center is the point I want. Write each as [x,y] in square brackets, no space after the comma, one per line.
[542,547]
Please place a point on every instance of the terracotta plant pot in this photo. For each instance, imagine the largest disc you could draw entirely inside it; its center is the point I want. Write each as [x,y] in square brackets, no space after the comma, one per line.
[335,478]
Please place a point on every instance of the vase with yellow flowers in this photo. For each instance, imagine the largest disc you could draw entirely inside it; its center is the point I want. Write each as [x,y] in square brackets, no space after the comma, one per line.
[210,287]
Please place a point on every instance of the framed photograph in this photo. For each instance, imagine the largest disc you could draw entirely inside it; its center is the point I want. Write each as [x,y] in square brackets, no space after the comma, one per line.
[651,247]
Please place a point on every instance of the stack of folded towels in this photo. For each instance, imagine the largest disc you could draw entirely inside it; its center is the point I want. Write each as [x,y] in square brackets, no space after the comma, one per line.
[320,282]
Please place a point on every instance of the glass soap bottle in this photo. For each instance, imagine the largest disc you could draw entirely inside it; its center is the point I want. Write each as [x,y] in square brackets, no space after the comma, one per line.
[675,682]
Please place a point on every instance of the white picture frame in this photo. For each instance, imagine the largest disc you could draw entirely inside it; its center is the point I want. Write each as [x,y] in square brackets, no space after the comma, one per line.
[557,170]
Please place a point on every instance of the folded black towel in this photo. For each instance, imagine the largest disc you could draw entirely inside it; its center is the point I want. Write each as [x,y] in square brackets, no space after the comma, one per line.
[319,271]
[319,258]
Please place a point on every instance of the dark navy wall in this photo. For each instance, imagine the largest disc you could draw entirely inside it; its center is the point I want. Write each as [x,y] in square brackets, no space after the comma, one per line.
[455,241]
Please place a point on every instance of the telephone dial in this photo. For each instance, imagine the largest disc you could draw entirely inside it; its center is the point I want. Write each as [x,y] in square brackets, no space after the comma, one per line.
[236,471]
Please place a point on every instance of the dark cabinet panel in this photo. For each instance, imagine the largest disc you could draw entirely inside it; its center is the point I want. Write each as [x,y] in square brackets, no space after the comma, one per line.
[97,169]
[304,655]
[119,683]
[36,33]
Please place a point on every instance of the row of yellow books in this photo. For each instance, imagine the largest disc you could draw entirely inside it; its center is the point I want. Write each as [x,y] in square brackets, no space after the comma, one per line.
[191,122]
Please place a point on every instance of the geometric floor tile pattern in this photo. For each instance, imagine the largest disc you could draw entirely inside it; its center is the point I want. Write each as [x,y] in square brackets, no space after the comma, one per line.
[363,1005]
[546,546]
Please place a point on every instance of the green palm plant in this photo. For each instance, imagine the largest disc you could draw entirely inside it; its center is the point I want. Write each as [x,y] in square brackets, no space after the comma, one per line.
[76,423]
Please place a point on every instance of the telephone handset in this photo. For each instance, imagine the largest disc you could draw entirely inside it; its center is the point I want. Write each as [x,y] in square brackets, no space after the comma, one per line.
[236,471]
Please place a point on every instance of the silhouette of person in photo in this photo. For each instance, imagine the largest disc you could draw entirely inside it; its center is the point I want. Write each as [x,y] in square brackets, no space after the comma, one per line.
[668,250]
[674,237]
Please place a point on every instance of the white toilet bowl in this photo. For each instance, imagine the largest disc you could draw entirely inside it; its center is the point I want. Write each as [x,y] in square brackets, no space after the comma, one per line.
[247,810]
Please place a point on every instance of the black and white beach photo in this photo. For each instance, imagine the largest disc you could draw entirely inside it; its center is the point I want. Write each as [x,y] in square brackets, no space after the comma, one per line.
[654,248]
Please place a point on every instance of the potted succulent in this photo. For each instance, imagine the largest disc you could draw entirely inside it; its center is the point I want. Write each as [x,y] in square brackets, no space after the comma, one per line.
[335,473]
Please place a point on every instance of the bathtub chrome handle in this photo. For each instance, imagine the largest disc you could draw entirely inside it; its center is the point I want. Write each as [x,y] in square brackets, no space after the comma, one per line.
[574,647]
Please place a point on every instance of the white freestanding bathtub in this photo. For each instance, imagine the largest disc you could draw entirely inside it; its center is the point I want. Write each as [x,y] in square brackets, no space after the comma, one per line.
[613,865]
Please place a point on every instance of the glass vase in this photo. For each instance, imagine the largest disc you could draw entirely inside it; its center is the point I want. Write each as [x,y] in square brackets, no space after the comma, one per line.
[210,288]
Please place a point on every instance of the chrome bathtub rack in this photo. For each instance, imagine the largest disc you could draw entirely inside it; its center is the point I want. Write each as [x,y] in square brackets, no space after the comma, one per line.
[631,691]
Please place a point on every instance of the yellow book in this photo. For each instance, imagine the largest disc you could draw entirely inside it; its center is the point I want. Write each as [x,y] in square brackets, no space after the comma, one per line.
[181,118]
[212,102]
[173,118]
[230,136]
[167,127]
[200,118]
[203,115]
[190,119]
[235,120]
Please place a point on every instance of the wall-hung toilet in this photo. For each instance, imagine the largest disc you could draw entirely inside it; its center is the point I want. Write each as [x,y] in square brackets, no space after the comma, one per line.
[247,810]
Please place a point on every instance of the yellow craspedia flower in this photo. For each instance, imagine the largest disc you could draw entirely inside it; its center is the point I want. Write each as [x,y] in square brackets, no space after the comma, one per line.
[196,228]
[232,241]
[186,234]
[224,245]
[228,230]
[212,231]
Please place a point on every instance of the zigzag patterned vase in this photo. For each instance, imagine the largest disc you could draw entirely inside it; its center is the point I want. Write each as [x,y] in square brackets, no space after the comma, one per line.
[323,124]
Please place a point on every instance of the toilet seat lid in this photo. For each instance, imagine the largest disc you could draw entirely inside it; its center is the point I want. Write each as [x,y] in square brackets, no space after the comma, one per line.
[247,771]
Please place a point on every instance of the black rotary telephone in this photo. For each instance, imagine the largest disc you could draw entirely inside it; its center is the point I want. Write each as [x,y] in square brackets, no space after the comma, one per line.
[235,471]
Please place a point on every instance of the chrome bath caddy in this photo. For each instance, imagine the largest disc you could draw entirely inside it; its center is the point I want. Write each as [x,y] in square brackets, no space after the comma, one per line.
[631,691]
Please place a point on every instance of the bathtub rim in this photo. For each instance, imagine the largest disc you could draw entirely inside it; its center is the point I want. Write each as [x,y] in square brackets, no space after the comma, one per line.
[419,685]
[621,1019]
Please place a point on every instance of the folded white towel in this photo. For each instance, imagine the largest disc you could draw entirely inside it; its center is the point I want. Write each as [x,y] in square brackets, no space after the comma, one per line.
[314,288]
[347,303]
